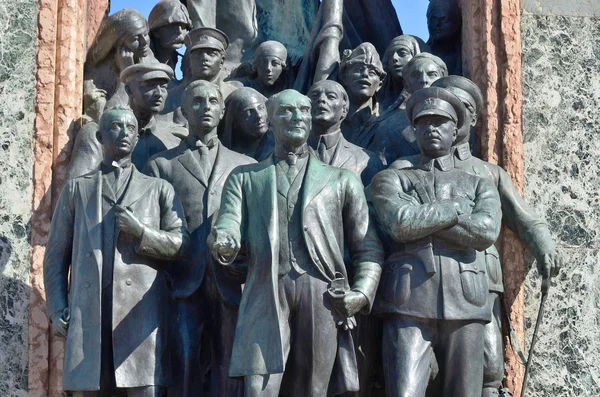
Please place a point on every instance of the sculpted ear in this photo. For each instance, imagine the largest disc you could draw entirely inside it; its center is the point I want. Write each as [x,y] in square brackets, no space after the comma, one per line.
[128,90]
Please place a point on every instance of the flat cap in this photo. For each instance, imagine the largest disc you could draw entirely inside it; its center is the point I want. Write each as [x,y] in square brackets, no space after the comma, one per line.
[147,71]
[436,101]
[465,89]
[166,12]
[206,38]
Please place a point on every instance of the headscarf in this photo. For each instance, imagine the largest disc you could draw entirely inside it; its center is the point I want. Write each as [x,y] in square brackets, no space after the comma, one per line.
[234,105]
[166,12]
[113,30]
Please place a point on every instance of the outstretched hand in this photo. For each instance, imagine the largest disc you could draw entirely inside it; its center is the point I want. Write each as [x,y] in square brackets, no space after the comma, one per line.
[223,244]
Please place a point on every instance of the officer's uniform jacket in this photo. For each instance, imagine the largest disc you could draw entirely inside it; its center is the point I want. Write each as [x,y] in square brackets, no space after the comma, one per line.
[516,213]
[434,271]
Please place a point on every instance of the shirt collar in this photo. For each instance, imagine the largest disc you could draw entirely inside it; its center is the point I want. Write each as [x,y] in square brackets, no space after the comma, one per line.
[123,164]
[195,143]
[282,152]
[149,127]
[330,139]
[462,151]
[444,163]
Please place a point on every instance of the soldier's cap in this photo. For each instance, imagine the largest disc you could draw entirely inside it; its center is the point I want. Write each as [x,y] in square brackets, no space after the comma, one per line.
[206,38]
[147,71]
[436,101]
[465,89]
[166,12]
[365,53]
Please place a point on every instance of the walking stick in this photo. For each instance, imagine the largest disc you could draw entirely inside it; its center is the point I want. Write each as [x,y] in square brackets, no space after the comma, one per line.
[545,286]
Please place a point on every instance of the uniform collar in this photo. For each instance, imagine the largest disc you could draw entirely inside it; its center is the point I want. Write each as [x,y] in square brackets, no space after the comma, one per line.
[149,127]
[444,163]
[462,151]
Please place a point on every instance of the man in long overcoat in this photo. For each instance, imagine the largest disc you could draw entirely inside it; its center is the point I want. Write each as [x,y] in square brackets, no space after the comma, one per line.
[294,215]
[112,233]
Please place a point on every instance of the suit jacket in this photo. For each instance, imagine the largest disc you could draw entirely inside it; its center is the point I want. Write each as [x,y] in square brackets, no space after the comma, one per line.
[516,213]
[334,213]
[200,195]
[364,163]
[434,270]
[140,292]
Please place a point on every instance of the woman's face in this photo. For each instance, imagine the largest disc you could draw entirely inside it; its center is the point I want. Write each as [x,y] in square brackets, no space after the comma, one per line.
[138,44]
[269,69]
[396,62]
[253,118]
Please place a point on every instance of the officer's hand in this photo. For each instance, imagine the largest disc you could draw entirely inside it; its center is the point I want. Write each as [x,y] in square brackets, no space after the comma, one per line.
[124,57]
[549,264]
[463,206]
[128,223]
[350,303]
[223,245]
[59,324]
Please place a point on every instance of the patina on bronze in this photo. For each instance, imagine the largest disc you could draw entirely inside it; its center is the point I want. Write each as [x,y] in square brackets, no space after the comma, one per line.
[434,294]
[268,73]
[169,23]
[309,211]
[112,235]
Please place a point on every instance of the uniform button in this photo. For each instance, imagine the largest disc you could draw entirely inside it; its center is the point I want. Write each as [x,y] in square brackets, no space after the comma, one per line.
[475,267]
[128,281]
[86,285]
[212,192]
[306,228]
[291,205]
[87,255]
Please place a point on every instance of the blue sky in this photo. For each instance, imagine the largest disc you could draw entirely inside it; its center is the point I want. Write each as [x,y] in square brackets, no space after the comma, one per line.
[410,12]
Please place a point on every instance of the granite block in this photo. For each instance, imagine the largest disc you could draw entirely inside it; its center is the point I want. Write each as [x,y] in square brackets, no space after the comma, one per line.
[561,87]
[17,77]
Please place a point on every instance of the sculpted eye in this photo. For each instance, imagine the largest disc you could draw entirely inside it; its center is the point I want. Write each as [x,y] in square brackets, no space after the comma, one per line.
[114,126]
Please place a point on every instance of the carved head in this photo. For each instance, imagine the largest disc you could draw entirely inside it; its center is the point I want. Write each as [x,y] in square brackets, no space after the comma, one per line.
[202,105]
[471,97]
[436,114]
[398,53]
[329,104]
[362,72]
[443,20]
[245,114]
[127,28]
[422,70]
[118,132]
[270,60]
[169,23]
[206,48]
[289,117]
[146,85]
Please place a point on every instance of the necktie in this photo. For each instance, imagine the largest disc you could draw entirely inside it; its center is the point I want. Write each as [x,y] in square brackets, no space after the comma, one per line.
[292,159]
[323,153]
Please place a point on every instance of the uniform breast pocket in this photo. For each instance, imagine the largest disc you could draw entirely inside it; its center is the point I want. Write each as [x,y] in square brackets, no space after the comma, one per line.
[396,284]
[474,283]
[493,266]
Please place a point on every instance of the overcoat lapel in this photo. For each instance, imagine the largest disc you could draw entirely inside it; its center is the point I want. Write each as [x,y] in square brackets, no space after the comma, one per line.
[193,166]
[137,188]
[90,189]
[341,156]
[316,178]
[220,170]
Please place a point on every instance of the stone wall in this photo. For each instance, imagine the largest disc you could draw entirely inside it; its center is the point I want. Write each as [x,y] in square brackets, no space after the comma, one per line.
[561,132]
[17,81]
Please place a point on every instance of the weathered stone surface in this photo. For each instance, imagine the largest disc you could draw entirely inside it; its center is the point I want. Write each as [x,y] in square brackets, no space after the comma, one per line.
[561,80]
[586,8]
[17,70]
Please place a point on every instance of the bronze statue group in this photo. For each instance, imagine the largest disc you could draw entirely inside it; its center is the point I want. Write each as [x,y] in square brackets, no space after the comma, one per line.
[281,226]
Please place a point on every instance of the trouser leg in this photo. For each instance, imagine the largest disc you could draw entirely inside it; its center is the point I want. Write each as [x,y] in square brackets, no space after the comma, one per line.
[493,358]
[460,357]
[314,340]
[187,332]
[407,354]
